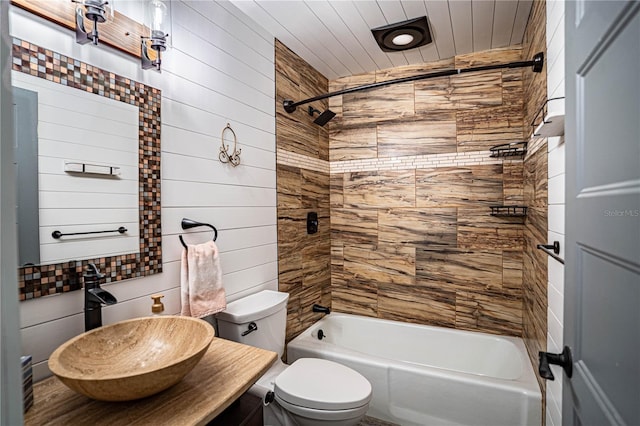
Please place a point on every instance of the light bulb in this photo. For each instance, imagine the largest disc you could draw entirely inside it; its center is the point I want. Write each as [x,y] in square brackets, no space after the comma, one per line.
[402,39]
[158,16]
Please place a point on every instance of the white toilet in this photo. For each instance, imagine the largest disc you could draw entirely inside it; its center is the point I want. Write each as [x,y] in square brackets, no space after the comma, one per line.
[308,392]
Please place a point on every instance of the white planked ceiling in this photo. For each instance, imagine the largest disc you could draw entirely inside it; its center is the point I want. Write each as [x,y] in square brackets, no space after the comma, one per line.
[334,36]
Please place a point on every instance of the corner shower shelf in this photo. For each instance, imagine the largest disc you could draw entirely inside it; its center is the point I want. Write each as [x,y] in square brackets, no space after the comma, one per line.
[553,121]
[509,211]
[513,149]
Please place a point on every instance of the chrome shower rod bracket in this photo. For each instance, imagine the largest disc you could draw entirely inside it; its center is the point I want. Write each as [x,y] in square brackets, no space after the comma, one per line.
[536,64]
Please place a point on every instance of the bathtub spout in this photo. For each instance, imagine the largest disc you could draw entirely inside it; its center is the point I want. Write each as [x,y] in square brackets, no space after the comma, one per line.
[319,308]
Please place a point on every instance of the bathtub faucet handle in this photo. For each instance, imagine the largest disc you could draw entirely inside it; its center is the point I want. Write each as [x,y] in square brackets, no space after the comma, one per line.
[320,308]
[562,359]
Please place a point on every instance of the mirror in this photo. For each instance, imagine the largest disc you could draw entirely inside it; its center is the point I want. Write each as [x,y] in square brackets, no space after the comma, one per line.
[98,169]
[77,173]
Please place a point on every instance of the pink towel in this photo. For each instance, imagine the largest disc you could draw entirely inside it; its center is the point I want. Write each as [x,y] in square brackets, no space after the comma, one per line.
[201,281]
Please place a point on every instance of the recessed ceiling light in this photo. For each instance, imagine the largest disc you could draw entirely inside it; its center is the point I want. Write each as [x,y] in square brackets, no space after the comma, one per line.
[402,39]
[403,35]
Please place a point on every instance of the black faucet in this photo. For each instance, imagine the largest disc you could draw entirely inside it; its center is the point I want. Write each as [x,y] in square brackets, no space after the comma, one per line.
[94,298]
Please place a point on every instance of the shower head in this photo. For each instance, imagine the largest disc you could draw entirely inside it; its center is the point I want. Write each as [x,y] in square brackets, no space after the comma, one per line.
[323,118]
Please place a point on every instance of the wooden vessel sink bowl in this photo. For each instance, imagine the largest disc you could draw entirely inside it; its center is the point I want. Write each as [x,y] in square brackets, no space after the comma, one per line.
[132,359]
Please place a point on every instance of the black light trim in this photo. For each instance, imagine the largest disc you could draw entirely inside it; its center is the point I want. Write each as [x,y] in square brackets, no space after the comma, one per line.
[418,28]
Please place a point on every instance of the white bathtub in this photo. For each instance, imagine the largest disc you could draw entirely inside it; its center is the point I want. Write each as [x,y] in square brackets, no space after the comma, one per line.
[425,375]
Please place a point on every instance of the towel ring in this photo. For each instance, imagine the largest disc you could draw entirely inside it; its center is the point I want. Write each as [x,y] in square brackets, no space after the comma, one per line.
[188,224]
[224,156]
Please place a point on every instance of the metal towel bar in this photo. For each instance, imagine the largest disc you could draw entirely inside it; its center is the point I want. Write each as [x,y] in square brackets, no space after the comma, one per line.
[188,224]
[552,250]
[58,234]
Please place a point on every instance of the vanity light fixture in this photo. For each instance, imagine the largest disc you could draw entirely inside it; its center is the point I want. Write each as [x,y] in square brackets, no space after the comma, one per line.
[95,10]
[157,23]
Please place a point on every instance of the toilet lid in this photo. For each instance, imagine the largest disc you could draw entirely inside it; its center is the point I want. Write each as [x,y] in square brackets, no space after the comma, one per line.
[323,385]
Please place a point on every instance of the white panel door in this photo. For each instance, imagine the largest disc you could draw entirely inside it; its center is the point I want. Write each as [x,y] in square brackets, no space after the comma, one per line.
[602,282]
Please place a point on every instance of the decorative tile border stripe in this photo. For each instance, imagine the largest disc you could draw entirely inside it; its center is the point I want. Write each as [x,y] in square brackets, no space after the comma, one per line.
[415,162]
[288,158]
[41,280]
[409,162]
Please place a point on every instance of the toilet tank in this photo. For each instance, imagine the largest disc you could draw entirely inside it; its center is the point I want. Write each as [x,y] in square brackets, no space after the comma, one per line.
[266,309]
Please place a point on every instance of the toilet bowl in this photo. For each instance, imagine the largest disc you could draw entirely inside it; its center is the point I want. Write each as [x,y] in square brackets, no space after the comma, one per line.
[310,391]
[317,391]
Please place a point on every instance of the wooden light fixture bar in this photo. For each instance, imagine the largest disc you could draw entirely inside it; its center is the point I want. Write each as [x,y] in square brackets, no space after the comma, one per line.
[121,32]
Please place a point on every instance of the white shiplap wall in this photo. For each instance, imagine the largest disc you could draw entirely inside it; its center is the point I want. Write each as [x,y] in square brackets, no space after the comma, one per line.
[77,126]
[219,70]
[556,174]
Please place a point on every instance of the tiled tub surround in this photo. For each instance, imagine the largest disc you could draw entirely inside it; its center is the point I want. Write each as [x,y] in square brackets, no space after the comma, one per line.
[410,187]
[409,181]
[412,238]
[42,280]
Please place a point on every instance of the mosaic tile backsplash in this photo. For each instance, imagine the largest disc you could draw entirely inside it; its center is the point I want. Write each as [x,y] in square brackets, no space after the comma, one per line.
[41,280]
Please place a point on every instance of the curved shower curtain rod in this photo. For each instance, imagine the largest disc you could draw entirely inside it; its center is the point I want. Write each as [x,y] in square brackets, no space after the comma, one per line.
[536,63]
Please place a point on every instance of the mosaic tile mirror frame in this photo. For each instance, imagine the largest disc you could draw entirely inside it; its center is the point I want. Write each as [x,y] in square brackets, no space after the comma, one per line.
[42,280]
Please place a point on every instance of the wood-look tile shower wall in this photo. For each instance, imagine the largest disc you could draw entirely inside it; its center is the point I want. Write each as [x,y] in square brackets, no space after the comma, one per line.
[303,260]
[412,238]
[535,193]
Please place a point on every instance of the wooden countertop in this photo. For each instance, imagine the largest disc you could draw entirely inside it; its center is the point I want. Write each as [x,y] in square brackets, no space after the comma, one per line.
[225,372]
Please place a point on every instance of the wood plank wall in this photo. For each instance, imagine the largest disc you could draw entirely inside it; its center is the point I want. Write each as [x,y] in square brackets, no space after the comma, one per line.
[303,259]
[535,193]
[412,238]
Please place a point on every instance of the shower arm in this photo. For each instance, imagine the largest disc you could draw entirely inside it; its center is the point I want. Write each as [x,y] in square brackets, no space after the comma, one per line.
[536,63]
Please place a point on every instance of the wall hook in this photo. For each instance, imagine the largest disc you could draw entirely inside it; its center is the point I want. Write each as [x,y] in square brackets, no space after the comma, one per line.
[224,156]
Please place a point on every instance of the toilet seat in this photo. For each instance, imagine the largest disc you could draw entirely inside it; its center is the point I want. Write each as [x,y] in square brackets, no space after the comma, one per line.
[324,415]
[319,384]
